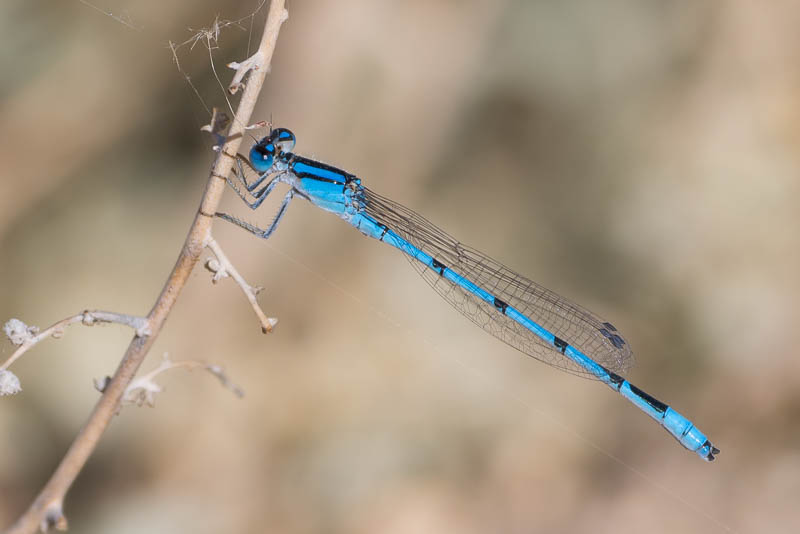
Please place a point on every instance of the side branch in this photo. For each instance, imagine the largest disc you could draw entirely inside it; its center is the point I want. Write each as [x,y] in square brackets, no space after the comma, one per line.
[26,336]
[47,509]
[259,60]
[223,268]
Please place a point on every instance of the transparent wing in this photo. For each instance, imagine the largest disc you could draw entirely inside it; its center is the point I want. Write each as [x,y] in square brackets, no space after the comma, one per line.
[580,328]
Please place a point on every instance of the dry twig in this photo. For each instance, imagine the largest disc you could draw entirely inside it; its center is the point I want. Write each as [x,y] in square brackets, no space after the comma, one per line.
[47,509]
[143,389]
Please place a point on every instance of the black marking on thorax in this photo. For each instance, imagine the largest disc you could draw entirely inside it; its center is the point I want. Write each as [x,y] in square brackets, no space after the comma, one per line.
[293,159]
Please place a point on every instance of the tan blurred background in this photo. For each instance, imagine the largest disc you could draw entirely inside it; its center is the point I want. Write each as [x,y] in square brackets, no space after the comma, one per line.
[639,158]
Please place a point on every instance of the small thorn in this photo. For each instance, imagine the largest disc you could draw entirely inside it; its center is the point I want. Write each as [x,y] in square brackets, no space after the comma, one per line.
[100,384]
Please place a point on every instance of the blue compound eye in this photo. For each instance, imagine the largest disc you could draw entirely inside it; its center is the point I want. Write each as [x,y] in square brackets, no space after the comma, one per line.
[284,139]
[262,155]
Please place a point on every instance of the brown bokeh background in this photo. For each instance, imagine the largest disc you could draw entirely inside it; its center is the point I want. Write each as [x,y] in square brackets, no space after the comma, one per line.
[639,158]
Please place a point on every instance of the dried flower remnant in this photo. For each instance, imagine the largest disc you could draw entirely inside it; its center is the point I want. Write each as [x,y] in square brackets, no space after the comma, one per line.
[18,332]
[9,383]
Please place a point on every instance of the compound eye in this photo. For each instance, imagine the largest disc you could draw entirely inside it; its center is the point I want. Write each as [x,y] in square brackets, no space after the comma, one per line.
[262,155]
[284,139]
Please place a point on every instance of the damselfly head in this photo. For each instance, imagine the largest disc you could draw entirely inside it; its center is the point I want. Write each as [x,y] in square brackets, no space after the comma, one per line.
[262,155]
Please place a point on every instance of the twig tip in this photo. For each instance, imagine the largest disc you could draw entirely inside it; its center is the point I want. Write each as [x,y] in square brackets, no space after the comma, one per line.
[54,518]
[267,327]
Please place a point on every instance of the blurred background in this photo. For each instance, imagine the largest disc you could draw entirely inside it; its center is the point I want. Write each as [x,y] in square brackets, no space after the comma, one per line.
[639,158]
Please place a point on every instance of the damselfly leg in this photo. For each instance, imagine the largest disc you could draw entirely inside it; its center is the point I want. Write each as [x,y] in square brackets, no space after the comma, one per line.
[257,196]
[253,229]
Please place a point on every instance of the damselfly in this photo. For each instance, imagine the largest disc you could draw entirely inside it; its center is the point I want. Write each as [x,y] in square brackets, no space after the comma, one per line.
[509,306]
